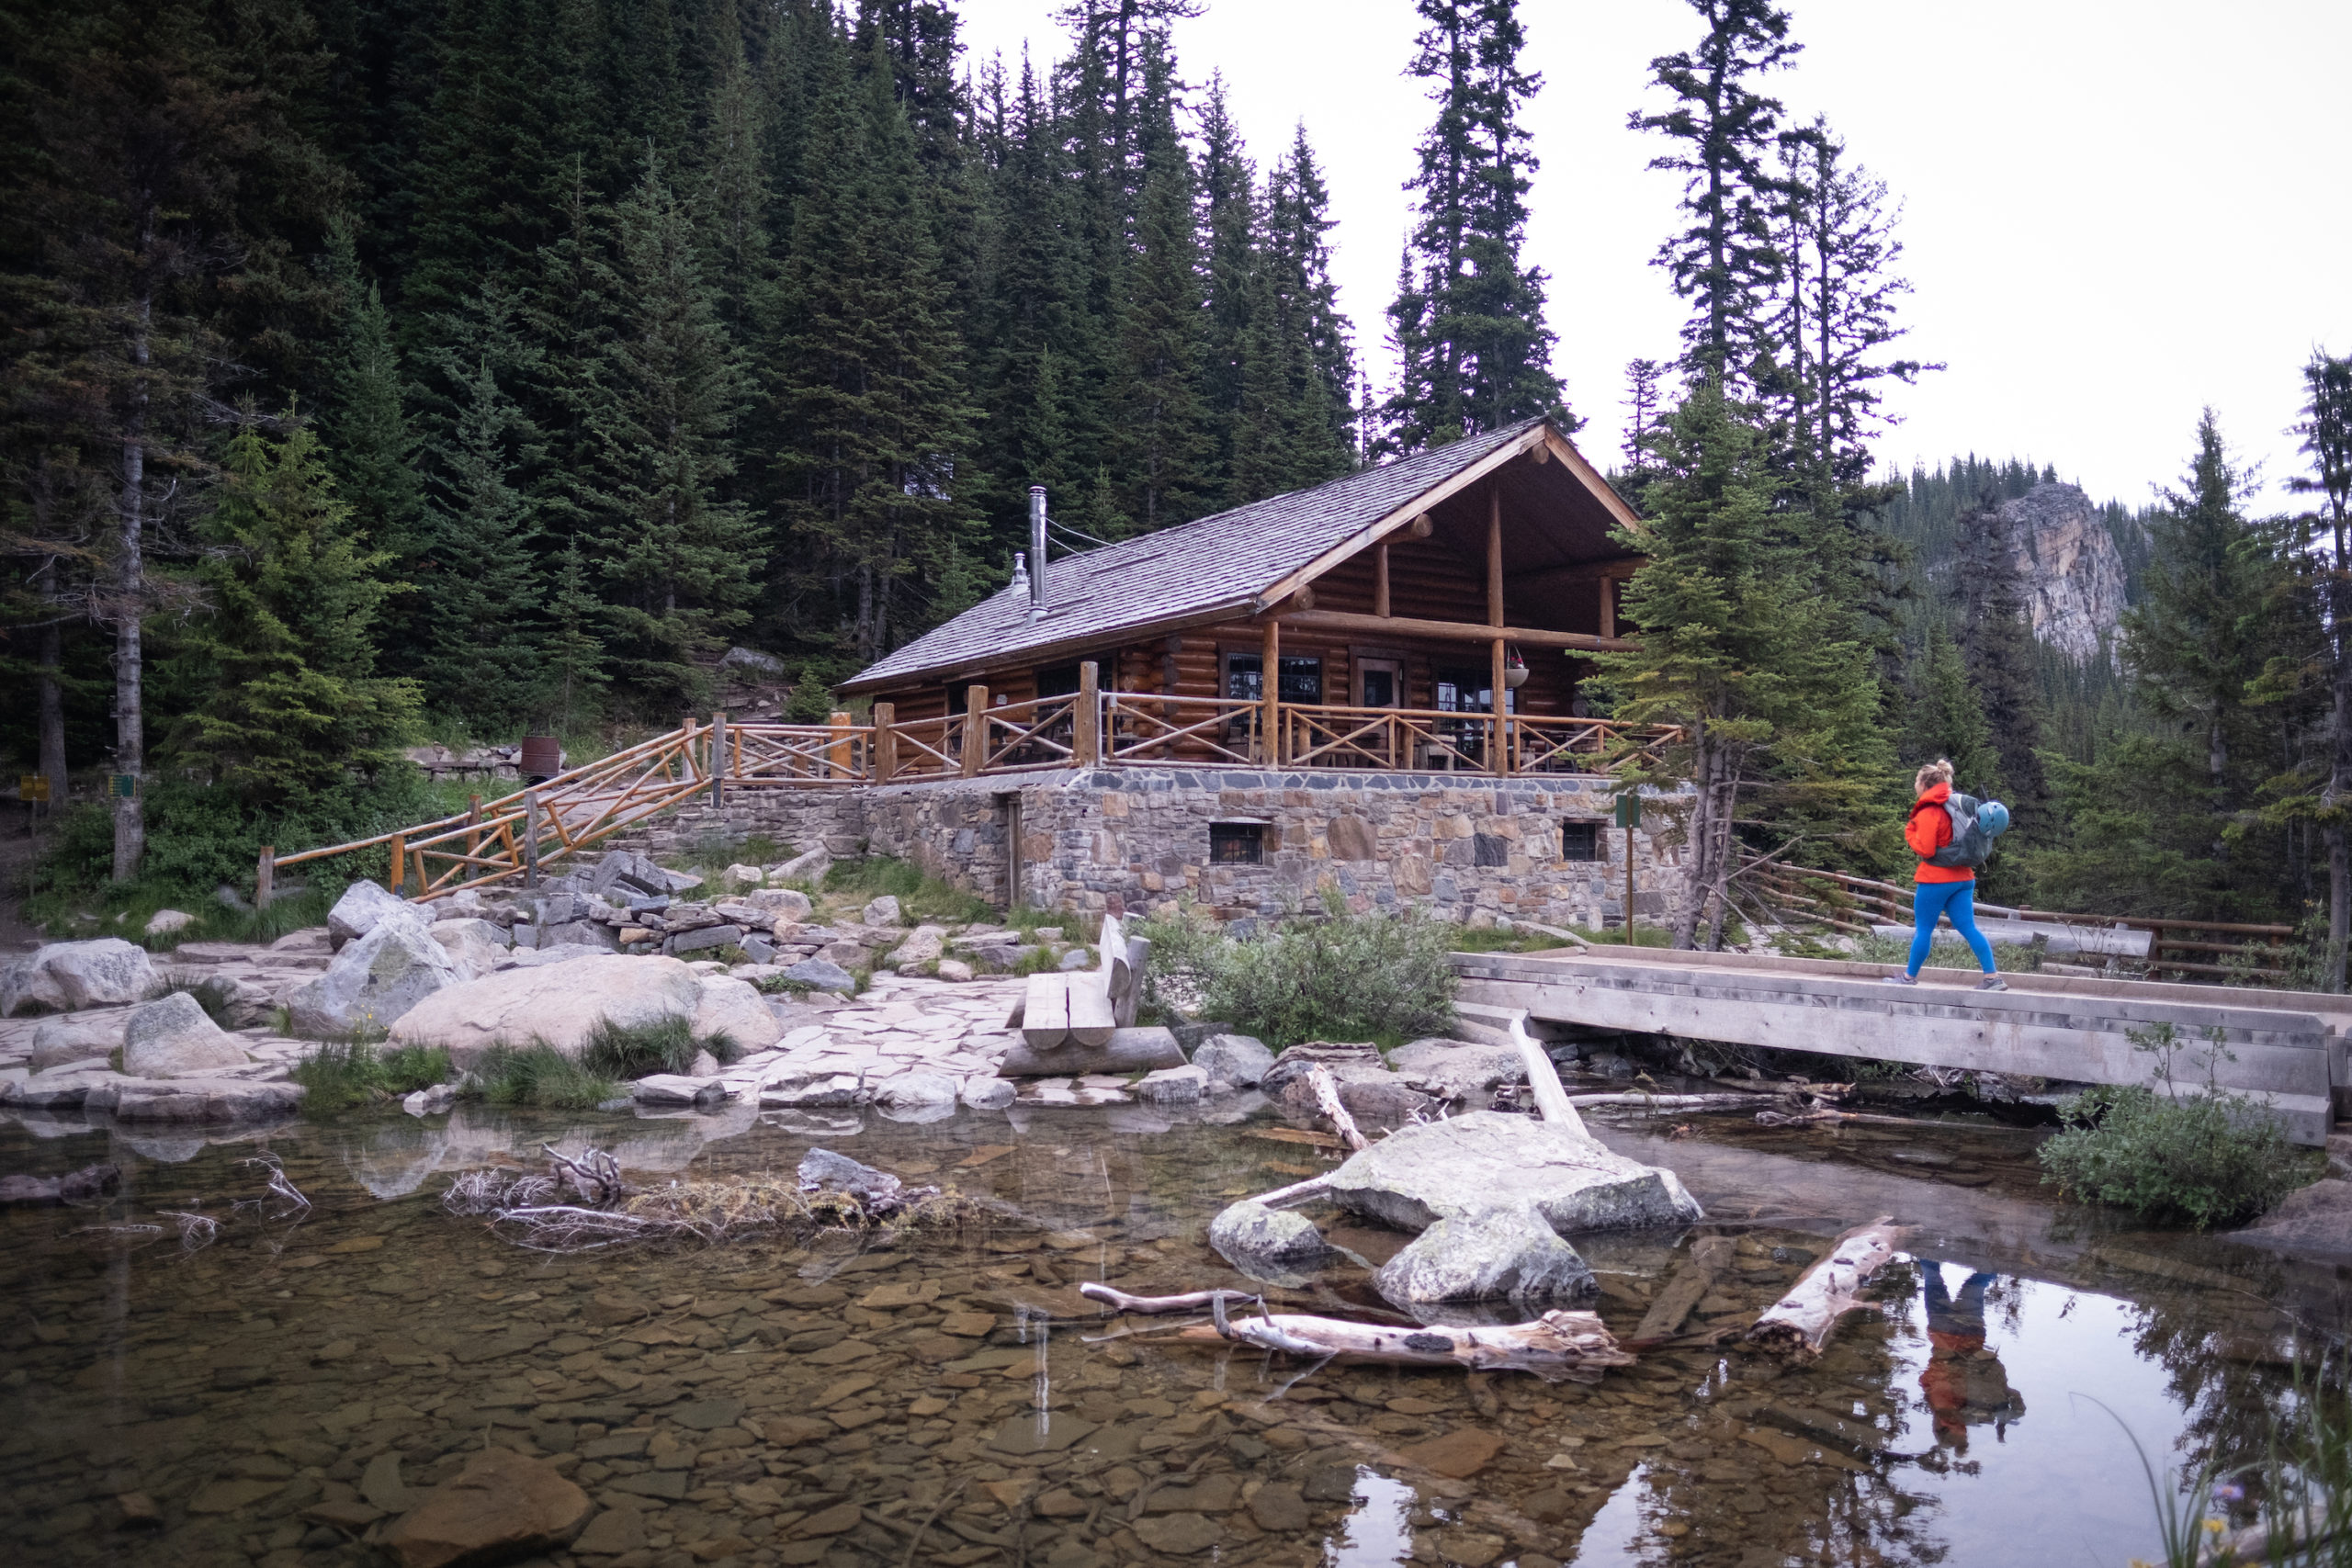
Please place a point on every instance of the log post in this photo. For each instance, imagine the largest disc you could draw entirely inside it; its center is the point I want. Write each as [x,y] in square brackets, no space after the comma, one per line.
[885,761]
[1380,579]
[976,731]
[1608,607]
[837,751]
[1498,761]
[400,863]
[1270,687]
[531,836]
[266,876]
[1086,731]
[718,759]
[1495,556]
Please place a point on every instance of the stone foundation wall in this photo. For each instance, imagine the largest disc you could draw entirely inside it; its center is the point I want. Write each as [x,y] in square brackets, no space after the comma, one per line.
[1466,850]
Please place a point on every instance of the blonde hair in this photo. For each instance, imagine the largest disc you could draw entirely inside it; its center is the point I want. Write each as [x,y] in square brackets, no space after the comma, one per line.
[1935,772]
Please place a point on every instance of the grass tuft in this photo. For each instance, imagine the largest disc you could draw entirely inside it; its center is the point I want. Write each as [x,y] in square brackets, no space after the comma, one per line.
[923,899]
[345,1075]
[665,1045]
[214,995]
[540,1076]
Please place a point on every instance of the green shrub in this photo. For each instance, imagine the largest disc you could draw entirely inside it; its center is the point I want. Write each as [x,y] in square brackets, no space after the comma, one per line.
[342,1074]
[1345,976]
[665,1045]
[539,1075]
[2203,1159]
[920,897]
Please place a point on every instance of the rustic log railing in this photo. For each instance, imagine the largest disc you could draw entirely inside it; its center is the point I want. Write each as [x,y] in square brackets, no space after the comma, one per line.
[1840,901]
[517,834]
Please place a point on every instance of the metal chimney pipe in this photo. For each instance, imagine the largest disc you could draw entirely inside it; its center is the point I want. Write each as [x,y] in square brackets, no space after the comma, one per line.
[1037,551]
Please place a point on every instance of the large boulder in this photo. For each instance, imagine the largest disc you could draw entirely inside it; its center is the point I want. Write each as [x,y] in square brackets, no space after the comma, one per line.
[1451,1069]
[76,1037]
[1236,1059]
[735,1009]
[919,1096]
[173,1037]
[376,979]
[475,946]
[2314,1220]
[500,1508]
[101,973]
[781,903]
[560,1004]
[356,913]
[1433,1171]
[1508,1253]
[924,945]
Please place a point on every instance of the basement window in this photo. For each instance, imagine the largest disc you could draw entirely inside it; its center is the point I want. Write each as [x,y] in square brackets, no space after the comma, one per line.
[1580,840]
[1237,843]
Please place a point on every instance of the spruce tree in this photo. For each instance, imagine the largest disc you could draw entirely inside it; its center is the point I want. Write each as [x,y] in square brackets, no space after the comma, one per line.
[1947,719]
[1998,642]
[571,663]
[1723,259]
[1468,319]
[486,586]
[1298,224]
[2326,430]
[1162,439]
[295,703]
[365,430]
[679,557]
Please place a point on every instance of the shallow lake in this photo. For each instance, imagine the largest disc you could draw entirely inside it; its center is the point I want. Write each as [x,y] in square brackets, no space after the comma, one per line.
[938,1400]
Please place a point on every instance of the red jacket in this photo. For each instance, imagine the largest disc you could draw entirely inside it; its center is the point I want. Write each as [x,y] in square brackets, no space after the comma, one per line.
[1929,830]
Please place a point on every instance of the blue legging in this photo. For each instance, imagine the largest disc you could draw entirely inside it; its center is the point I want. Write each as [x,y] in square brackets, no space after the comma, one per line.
[1957,900]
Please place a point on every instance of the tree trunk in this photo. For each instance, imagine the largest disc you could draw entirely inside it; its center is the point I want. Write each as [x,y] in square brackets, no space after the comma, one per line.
[2338,789]
[52,713]
[1702,837]
[130,591]
[2217,764]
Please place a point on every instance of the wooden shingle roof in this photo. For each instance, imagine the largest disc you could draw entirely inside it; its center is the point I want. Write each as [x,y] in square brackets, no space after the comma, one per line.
[1197,571]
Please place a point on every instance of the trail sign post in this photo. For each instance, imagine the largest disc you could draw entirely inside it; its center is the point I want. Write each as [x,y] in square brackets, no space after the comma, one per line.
[1629,816]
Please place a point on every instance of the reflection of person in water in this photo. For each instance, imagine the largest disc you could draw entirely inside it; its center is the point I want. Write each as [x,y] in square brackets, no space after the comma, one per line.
[1965,1383]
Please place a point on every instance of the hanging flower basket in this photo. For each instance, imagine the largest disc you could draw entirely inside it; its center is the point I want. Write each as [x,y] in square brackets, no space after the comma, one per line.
[1514,670]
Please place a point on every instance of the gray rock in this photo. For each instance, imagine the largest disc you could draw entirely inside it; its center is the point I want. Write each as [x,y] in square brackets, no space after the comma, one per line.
[924,945]
[681,881]
[996,959]
[197,1099]
[1077,958]
[706,939]
[2314,1220]
[814,1089]
[1507,1253]
[919,1096]
[1345,1061]
[75,1187]
[823,974]
[807,867]
[374,980]
[782,903]
[883,911]
[430,1101]
[76,1037]
[167,922]
[741,876]
[356,913]
[1429,1171]
[1452,1069]
[579,933]
[60,1090]
[173,1037]
[540,957]
[759,950]
[673,1089]
[1172,1085]
[989,1094]
[475,946]
[1236,1059]
[954,969]
[846,954]
[104,971]
[1269,1243]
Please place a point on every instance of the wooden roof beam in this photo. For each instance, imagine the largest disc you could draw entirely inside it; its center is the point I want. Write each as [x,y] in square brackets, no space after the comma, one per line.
[1347,622]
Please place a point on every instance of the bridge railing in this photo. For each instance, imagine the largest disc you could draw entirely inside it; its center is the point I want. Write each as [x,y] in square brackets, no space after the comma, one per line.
[1835,900]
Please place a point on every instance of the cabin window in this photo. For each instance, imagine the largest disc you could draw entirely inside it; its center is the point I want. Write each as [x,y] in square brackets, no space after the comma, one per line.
[1237,843]
[1580,840]
[1245,678]
[1471,691]
[1058,682]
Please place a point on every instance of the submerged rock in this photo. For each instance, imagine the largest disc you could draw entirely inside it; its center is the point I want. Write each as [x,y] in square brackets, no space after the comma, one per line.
[822,1170]
[499,1507]
[1267,1243]
[74,1187]
[1509,1254]
[2315,1219]
[173,1036]
[196,1099]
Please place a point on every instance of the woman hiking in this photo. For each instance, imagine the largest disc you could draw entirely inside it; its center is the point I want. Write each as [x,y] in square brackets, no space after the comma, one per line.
[1942,891]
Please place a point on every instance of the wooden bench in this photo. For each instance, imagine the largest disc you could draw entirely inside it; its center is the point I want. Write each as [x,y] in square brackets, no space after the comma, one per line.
[1083,1008]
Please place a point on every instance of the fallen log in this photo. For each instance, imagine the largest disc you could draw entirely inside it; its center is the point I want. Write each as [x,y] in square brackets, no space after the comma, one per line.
[1710,1255]
[1799,1323]
[1663,1102]
[1148,1307]
[1326,1099]
[1126,1051]
[1824,1115]
[1556,1342]
[1543,1078]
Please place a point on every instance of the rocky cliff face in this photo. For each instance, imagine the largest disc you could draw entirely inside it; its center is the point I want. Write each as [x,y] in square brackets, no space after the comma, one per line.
[2068,570]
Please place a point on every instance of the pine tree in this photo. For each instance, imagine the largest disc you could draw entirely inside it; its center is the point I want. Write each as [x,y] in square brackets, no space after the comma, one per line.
[2195,640]
[295,703]
[1947,720]
[1723,259]
[869,400]
[1468,320]
[571,663]
[1998,642]
[2326,430]
[1298,222]
[678,557]
[1165,449]
[1771,706]
[365,430]
[486,587]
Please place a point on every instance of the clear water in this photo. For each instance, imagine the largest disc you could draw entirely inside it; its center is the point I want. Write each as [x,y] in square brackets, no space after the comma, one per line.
[730,1400]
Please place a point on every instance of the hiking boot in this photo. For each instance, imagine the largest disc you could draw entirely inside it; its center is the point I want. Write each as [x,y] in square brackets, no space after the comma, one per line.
[1898,979]
[1993,983]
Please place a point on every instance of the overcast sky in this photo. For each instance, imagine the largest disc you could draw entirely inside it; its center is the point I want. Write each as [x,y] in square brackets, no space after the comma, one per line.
[2115,212]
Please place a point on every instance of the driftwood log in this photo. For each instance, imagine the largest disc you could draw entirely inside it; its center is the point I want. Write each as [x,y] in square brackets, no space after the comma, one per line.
[1153,1306]
[1327,1100]
[1126,1051]
[1543,1078]
[1557,1340]
[1710,1255]
[1677,1102]
[1799,1323]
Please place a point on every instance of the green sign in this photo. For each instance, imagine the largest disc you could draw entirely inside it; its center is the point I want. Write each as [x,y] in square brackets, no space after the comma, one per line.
[1629,810]
[123,786]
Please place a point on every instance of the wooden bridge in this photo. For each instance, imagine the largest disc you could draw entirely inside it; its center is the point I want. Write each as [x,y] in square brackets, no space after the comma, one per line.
[2286,1049]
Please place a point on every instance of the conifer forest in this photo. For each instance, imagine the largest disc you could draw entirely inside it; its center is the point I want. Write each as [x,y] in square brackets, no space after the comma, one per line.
[379,371]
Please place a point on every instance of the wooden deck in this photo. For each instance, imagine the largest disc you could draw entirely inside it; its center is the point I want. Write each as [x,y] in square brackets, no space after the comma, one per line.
[2284,1048]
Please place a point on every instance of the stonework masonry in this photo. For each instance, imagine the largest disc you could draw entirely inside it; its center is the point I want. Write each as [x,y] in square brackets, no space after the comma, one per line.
[1465,850]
